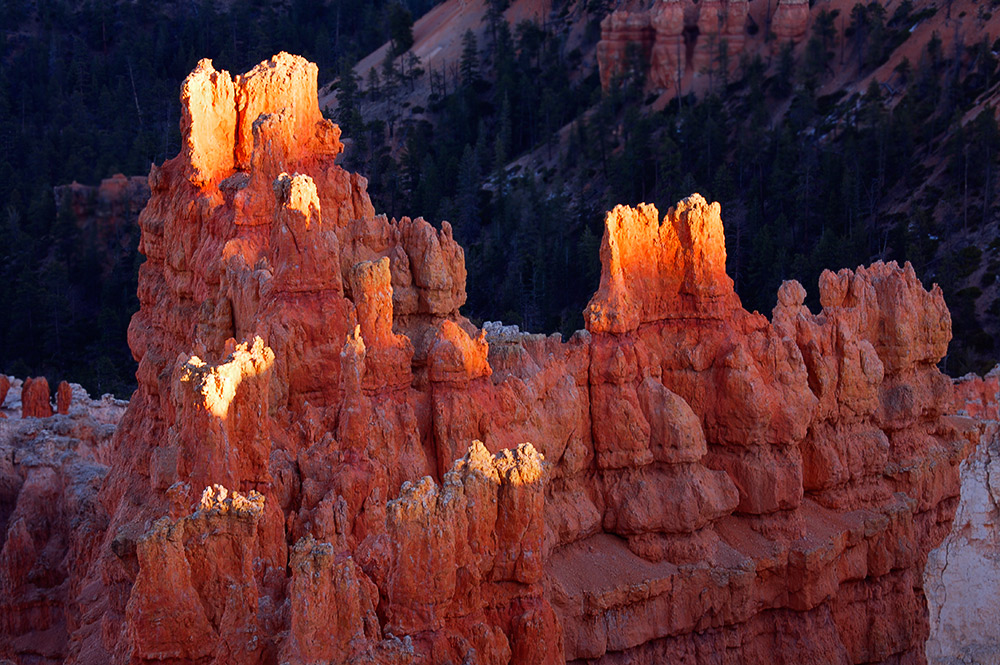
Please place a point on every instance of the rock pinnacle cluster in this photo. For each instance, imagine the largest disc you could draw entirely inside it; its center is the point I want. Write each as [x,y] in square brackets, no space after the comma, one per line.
[325,462]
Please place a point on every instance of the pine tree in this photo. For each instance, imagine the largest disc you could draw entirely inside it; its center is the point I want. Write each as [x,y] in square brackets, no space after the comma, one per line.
[374,83]
[469,63]
[784,80]
[400,29]
[859,31]
[875,54]
[348,115]
[467,196]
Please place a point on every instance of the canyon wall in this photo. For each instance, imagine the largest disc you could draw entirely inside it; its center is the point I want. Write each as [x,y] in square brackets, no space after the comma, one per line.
[324,461]
[962,577]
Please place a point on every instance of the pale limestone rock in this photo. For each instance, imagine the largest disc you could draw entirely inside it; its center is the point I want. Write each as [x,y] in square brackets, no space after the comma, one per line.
[962,577]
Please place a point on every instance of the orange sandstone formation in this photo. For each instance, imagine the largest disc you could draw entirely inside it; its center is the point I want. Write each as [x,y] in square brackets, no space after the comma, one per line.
[108,210]
[977,396]
[50,523]
[36,400]
[620,31]
[790,20]
[674,38]
[668,54]
[64,397]
[325,462]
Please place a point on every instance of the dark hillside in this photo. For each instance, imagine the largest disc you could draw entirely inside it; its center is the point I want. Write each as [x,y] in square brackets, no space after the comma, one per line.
[874,136]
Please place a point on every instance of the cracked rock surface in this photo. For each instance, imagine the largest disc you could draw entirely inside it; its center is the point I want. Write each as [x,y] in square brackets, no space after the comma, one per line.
[962,577]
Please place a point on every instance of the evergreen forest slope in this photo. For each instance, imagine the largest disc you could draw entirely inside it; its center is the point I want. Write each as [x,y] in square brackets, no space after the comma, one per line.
[873,137]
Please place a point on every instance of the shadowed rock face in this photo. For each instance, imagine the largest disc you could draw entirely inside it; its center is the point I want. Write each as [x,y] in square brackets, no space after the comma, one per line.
[699,481]
[106,214]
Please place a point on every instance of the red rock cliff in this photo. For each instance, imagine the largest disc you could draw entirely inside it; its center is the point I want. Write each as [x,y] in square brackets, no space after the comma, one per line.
[325,462]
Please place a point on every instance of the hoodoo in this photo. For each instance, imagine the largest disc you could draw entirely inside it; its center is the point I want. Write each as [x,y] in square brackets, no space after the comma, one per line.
[674,38]
[324,461]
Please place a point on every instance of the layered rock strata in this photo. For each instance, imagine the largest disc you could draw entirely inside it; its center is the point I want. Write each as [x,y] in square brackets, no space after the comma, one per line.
[623,30]
[831,427]
[668,53]
[325,462]
[674,38]
[790,20]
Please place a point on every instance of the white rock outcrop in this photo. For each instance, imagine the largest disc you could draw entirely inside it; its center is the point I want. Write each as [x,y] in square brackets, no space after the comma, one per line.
[962,577]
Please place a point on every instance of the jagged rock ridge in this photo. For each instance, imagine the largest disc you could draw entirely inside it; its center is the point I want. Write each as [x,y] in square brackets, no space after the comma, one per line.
[699,481]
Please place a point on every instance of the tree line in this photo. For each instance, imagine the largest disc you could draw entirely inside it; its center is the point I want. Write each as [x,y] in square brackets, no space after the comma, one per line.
[519,148]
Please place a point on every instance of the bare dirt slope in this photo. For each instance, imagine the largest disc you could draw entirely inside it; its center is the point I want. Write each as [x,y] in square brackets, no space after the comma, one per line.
[437,39]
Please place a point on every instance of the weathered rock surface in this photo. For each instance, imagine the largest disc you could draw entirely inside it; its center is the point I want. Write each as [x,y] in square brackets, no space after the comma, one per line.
[962,577]
[110,206]
[36,400]
[790,19]
[106,215]
[675,40]
[64,397]
[4,388]
[325,462]
[619,30]
[50,520]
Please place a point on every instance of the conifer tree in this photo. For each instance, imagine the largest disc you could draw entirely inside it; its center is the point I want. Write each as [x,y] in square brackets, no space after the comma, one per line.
[469,63]
[400,29]
[467,195]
